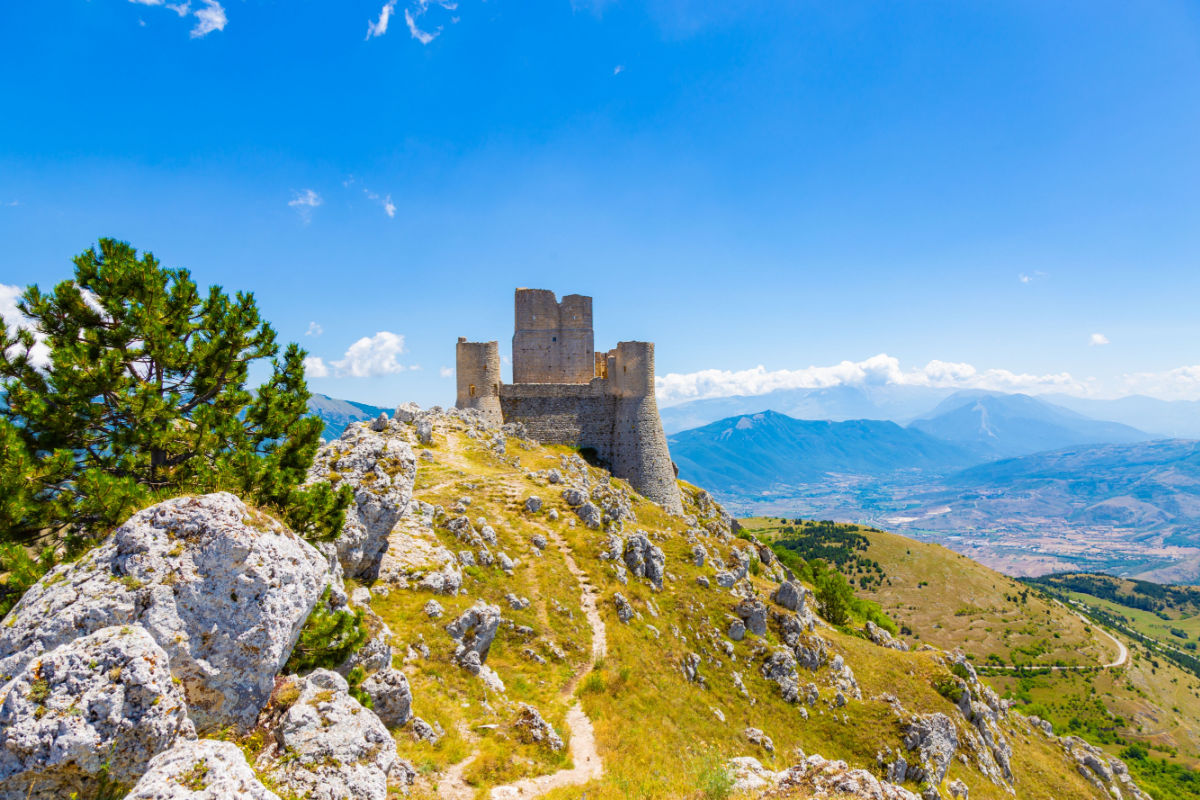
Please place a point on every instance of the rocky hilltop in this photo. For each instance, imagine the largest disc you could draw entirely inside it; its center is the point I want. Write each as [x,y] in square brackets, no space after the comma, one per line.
[533,628]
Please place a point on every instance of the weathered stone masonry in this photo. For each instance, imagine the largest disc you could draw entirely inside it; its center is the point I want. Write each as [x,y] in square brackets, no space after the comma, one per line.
[567,393]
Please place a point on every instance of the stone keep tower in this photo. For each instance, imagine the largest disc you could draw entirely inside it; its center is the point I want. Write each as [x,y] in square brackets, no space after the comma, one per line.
[565,392]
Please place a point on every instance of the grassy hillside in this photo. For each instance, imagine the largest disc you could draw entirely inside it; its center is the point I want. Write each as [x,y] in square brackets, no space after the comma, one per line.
[950,601]
[1147,709]
[658,731]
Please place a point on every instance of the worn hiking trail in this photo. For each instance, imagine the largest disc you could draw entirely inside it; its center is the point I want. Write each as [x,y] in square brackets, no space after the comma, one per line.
[587,763]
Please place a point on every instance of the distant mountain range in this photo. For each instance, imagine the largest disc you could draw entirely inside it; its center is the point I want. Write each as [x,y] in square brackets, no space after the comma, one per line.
[751,453]
[337,414]
[1020,483]
[765,451]
[994,425]
[885,401]
[904,404]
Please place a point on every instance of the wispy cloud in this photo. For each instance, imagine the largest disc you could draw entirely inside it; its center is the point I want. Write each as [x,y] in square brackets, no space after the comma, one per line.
[389,207]
[12,204]
[877,370]
[210,16]
[424,37]
[1030,277]
[1097,339]
[314,329]
[618,69]
[446,372]
[380,27]
[304,202]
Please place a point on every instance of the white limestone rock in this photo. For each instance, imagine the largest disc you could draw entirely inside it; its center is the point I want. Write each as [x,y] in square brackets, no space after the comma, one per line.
[201,769]
[222,588]
[391,698]
[380,467]
[328,747]
[107,698]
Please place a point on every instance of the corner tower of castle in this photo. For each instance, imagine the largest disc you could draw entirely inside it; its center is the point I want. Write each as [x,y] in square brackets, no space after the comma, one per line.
[565,392]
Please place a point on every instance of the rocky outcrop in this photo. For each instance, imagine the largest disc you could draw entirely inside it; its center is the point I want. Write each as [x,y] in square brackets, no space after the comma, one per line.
[820,777]
[380,467]
[644,559]
[473,633]
[391,697]
[934,737]
[530,728]
[200,769]
[791,596]
[882,638]
[754,614]
[103,704]
[222,588]
[1105,772]
[328,747]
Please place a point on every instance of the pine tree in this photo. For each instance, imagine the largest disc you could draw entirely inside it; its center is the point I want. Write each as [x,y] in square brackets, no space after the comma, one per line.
[145,397]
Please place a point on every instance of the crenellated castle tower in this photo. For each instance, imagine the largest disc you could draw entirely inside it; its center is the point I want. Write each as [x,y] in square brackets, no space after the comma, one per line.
[565,392]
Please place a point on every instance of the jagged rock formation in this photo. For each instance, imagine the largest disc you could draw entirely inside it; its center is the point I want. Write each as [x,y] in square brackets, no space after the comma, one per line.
[200,769]
[101,705]
[376,461]
[222,588]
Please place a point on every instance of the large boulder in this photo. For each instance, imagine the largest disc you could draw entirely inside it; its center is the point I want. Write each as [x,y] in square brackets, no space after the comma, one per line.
[645,559]
[328,747]
[379,466]
[224,590]
[201,769]
[101,705]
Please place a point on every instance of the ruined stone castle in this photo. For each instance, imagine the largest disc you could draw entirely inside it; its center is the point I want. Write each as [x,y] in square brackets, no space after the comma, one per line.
[565,392]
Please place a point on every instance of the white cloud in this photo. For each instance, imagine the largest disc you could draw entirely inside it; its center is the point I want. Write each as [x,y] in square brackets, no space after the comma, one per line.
[1181,383]
[389,207]
[877,370]
[12,204]
[372,356]
[1097,339]
[424,37]
[446,372]
[11,316]
[618,69]
[209,17]
[304,202]
[314,367]
[314,329]
[385,15]
[1030,277]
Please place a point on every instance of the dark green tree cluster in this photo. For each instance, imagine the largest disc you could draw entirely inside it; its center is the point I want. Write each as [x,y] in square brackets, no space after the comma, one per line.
[144,396]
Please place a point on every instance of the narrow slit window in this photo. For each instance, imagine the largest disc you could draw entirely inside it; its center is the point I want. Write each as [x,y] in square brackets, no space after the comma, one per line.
[472,390]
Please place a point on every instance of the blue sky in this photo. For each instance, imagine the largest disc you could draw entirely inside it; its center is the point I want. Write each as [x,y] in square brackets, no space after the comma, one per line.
[1002,194]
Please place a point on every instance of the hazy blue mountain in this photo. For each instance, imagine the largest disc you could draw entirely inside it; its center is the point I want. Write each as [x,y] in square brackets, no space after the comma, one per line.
[337,414]
[1166,418]
[995,425]
[753,453]
[884,401]
[1145,485]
